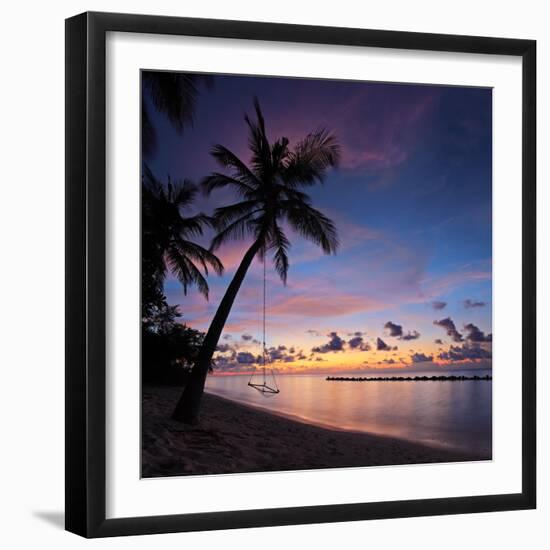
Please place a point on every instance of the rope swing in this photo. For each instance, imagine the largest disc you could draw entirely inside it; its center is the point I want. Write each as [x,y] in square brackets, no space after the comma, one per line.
[266,383]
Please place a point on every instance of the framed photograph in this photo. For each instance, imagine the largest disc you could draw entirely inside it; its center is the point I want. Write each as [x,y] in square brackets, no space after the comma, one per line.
[300,274]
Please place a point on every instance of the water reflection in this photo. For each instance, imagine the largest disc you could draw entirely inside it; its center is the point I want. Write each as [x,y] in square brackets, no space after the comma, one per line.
[450,414]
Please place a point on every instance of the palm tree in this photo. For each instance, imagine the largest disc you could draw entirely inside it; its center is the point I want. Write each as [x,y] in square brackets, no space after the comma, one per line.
[167,235]
[270,194]
[174,95]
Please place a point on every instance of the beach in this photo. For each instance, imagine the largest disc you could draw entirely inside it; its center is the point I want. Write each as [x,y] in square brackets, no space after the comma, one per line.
[236,438]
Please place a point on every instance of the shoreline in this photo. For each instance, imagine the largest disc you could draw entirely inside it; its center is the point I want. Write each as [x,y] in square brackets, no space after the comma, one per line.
[237,438]
[330,428]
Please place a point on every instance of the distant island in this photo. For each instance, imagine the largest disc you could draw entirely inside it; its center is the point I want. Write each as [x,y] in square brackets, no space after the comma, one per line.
[451,378]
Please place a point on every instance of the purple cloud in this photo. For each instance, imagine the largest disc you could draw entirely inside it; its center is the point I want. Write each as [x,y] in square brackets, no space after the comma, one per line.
[421,358]
[246,358]
[335,343]
[476,335]
[382,346]
[448,325]
[411,335]
[465,352]
[394,329]
[357,342]
[469,304]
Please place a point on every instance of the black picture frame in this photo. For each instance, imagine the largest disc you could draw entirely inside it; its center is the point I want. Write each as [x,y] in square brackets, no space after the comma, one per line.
[86,283]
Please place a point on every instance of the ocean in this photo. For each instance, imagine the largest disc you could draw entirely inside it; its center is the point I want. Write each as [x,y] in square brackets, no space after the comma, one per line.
[444,414]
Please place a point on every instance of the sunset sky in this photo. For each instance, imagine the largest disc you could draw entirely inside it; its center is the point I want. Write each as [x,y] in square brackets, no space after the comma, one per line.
[410,286]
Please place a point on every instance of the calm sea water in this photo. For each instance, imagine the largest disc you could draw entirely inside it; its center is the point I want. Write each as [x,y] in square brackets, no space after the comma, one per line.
[447,414]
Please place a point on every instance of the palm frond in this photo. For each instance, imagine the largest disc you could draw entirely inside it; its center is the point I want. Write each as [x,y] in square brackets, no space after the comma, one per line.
[312,224]
[279,151]
[186,272]
[240,170]
[311,158]
[281,244]
[294,194]
[148,178]
[238,229]
[219,181]
[173,94]
[183,193]
[194,225]
[198,254]
[259,144]
[224,215]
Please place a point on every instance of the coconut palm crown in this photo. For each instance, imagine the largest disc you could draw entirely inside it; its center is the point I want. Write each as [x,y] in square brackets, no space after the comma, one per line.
[270,192]
[168,236]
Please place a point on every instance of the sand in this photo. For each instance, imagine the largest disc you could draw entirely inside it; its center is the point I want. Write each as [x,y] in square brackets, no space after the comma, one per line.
[235,438]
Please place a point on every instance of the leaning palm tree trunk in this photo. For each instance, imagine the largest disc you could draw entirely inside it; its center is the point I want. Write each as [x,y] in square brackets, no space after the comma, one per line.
[187,409]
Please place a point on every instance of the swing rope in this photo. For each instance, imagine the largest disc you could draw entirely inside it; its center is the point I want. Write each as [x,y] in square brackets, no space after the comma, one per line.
[263,322]
[264,387]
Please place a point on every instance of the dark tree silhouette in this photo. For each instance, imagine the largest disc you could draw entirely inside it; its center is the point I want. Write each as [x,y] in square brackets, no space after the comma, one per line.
[169,348]
[270,193]
[166,239]
[174,95]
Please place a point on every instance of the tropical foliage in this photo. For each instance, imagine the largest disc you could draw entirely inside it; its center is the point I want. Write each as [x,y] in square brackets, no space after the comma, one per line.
[172,94]
[168,237]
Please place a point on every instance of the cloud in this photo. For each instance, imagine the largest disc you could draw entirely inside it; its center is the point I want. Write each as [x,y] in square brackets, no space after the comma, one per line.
[246,337]
[335,343]
[397,332]
[470,352]
[476,335]
[391,135]
[438,305]
[230,359]
[312,332]
[357,342]
[226,364]
[421,358]
[277,353]
[323,305]
[382,346]
[392,132]
[438,341]
[227,337]
[411,335]
[246,358]
[469,304]
[448,325]
[223,348]
[393,329]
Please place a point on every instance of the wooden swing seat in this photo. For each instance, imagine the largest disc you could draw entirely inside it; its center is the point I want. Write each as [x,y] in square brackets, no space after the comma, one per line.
[264,388]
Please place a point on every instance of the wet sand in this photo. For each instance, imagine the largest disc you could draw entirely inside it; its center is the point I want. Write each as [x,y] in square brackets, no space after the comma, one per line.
[235,438]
